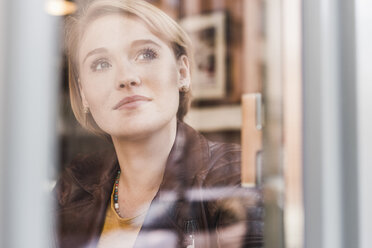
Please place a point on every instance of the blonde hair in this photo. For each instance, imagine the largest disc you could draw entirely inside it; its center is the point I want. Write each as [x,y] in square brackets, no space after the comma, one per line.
[156,20]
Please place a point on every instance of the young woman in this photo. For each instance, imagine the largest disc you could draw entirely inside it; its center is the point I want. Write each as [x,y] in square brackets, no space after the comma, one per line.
[129,80]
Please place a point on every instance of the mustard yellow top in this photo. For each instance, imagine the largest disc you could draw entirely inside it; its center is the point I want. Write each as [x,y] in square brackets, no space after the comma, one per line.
[117,231]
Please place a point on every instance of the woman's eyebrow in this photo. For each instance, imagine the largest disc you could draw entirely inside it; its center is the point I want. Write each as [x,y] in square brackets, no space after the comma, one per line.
[134,44]
[144,42]
[95,51]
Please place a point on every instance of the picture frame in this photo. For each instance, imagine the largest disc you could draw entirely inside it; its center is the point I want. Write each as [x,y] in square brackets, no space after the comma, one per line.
[208,35]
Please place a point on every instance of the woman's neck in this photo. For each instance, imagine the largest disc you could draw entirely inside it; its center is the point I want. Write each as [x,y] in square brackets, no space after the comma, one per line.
[142,161]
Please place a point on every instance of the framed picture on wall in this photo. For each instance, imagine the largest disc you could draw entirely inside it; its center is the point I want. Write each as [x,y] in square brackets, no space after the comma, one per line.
[207,32]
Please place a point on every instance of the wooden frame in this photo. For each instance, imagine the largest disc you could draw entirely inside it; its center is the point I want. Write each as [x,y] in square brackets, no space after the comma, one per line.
[207,32]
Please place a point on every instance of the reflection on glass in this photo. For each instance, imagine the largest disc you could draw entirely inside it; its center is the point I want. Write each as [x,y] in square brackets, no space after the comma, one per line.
[156,182]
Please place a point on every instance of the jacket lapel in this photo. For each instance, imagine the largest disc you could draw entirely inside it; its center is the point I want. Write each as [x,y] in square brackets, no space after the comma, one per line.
[169,209]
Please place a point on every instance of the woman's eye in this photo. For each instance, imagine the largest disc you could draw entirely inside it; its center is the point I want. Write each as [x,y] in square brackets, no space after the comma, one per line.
[100,65]
[147,54]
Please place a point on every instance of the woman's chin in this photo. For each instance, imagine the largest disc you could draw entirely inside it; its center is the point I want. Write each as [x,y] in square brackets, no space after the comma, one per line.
[140,129]
[131,132]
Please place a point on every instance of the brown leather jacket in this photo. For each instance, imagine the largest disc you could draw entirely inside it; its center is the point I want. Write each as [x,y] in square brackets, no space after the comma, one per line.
[200,184]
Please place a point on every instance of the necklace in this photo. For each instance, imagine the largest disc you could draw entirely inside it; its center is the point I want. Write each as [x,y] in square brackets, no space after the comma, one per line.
[116,195]
[116,199]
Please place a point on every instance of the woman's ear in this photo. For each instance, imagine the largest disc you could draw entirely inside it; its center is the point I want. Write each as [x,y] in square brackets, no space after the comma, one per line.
[184,72]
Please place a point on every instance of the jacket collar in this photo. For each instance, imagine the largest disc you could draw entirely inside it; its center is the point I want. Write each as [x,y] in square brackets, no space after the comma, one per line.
[187,160]
[95,172]
[188,157]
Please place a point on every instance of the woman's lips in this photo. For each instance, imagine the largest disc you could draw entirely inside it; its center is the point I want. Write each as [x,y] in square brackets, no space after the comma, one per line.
[131,102]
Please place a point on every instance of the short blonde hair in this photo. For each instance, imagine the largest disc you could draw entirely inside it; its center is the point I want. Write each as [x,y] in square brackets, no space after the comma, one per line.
[156,20]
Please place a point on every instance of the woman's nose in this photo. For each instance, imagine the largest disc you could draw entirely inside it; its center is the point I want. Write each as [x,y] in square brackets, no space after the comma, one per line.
[127,78]
[129,83]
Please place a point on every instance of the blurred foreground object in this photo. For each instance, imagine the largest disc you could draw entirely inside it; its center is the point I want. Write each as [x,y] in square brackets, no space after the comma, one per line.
[60,7]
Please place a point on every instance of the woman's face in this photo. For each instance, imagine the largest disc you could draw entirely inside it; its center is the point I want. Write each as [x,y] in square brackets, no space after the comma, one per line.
[129,77]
